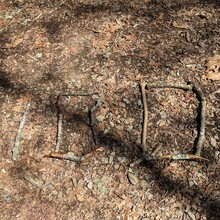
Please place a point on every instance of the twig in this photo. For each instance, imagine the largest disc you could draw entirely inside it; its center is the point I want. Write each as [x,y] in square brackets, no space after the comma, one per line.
[166,85]
[201,135]
[91,110]
[145,120]
[33,182]
[15,150]
[175,157]
[59,126]
[136,162]
[79,94]
[68,156]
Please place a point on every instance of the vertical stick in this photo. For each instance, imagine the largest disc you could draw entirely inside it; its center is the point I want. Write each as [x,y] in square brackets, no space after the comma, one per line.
[201,137]
[59,125]
[15,150]
[145,118]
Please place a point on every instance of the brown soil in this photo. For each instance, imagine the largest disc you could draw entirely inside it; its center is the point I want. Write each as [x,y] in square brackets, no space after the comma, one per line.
[108,47]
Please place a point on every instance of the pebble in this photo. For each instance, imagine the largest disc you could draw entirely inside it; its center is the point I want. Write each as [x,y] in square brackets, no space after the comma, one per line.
[181,126]
[90,185]
[149,195]
[111,158]
[133,179]
[139,102]
[163,115]
[144,184]
[213,142]
[111,124]
[100,118]
[121,159]
[217,155]
[130,128]
[39,55]
[191,215]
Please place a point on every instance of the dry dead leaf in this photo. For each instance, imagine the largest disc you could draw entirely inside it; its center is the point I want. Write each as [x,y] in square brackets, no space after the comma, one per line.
[114,27]
[3,23]
[213,67]
[128,37]
[14,43]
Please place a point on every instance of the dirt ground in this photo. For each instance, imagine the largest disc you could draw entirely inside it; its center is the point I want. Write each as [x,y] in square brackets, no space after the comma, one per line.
[98,52]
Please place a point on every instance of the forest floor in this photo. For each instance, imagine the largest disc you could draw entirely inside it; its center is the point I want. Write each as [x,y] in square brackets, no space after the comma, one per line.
[98,53]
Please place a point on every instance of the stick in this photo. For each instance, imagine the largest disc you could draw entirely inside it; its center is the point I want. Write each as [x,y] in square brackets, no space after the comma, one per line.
[145,120]
[79,94]
[91,110]
[15,150]
[33,182]
[174,86]
[201,135]
[68,156]
[59,125]
[175,157]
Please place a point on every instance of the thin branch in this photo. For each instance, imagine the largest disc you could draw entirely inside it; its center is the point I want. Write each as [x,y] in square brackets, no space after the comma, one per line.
[201,135]
[15,150]
[166,85]
[91,120]
[145,120]
[59,126]
[68,156]
[80,93]
[175,157]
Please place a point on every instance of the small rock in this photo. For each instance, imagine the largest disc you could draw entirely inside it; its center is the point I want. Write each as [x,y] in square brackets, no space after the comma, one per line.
[121,159]
[161,122]
[191,184]
[195,133]
[80,198]
[149,195]
[144,184]
[116,166]
[163,115]
[39,55]
[126,100]
[107,55]
[139,102]
[111,158]
[191,215]
[90,185]
[181,126]
[76,60]
[100,118]
[133,179]
[130,128]
[213,142]
[217,155]
[111,124]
